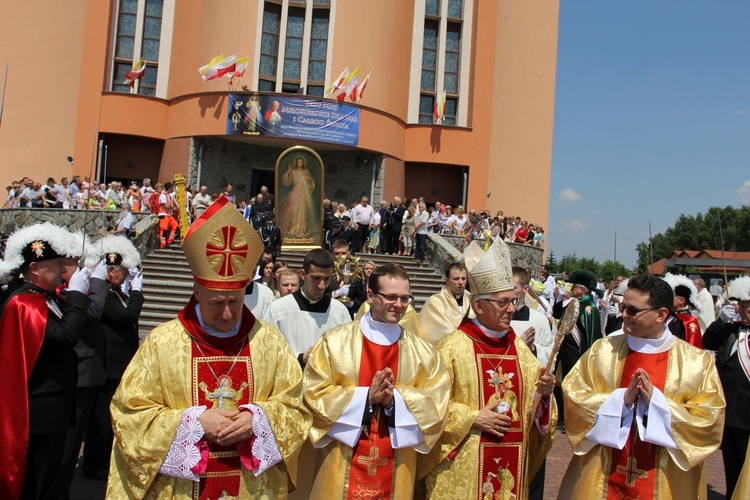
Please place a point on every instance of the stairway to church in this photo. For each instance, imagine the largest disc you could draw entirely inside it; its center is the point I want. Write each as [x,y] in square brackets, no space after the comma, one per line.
[168,283]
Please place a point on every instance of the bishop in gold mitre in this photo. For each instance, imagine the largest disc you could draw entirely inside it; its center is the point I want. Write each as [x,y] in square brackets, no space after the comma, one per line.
[210,405]
[492,445]
[643,409]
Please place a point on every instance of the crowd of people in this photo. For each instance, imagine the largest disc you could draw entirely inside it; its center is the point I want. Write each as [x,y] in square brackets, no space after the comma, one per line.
[400,227]
[297,380]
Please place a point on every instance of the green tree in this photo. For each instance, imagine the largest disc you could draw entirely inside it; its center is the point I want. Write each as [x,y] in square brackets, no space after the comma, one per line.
[552,264]
[700,232]
[609,270]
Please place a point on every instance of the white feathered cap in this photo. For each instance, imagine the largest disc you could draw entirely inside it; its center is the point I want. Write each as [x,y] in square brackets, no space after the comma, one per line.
[36,243]
[489,271]
[684,287]
[116,250]
[739,288]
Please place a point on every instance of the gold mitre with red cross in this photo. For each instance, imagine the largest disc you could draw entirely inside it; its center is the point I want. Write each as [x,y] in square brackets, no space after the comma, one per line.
[222,248]
[489,271]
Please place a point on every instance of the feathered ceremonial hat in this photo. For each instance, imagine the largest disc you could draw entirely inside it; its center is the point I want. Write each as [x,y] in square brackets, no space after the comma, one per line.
[37,243]
[222,248]
[585,278]
[684,287]
[116,250]
[489,271]
[739,289]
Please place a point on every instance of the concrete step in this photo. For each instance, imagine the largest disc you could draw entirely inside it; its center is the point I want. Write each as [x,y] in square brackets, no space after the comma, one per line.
[168,282]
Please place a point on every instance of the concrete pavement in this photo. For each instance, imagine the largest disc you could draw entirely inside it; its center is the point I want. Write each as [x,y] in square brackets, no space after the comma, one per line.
[557,462]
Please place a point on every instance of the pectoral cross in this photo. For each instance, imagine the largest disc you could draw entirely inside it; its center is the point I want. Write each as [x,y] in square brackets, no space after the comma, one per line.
[221,393]
[373,461]
[631,472]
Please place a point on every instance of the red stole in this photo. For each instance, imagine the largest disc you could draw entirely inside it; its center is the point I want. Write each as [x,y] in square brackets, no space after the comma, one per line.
[501,460]
[22,327]
[633,468]
[372,466]
[233,388]
[692,329]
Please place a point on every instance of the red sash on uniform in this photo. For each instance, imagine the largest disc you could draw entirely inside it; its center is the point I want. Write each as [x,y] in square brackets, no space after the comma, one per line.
[692,329]
[22,328]
[501,460]
[223,472]
[633,468]
[372,466]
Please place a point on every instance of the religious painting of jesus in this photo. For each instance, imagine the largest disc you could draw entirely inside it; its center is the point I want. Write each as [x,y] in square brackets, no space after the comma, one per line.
[299,187]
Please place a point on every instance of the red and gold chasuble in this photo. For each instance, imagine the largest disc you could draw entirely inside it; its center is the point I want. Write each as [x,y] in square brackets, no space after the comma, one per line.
[633,467]
[372,466]
[692,329]
[501,460]
[222,378]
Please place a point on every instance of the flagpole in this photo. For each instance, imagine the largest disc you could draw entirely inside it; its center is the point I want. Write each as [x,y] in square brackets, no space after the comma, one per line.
[86,215]
[723,257]
[614,269]
[651,246]
[2,98]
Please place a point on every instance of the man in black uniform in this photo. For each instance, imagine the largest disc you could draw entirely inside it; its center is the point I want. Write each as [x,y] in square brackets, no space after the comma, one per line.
[271,236]
[730,336]
[120,325]
[38,331]
[258,211]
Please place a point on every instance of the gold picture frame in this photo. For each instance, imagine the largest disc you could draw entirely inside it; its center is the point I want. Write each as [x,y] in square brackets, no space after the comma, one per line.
[299,194]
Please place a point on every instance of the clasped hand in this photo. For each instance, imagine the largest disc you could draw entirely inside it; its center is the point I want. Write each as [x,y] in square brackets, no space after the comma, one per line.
[227,427]
[381,390]
[640,385]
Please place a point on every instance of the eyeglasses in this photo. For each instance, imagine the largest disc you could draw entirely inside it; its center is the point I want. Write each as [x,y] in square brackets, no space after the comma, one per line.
[392,299]
[502,303]
[634,311]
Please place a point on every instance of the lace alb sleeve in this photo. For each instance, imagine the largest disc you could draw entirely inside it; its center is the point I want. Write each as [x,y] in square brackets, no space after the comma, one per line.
[265,453]
[186,453]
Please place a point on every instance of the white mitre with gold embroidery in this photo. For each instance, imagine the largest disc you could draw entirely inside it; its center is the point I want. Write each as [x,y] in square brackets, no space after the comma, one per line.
[489,271]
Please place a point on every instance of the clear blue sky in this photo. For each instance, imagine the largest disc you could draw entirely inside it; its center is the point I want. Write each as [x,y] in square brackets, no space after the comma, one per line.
[652,120]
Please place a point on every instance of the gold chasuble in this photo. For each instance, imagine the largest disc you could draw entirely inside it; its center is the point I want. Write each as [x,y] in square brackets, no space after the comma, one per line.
[180,366]
[467,463]
[344,359]
[687,378]
[440,315]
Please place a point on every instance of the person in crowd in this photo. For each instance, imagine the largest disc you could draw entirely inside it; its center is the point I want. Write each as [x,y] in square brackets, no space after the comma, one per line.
[242,400]
[443,312]
[270,234]
[167,222]
[408,232]
[496,436]
[378,395]
[39,330]
[706,314]
[631,415]
[266,275]
[420,232]
[119,323]
[288,282]
[361,216]
[682,322]
[229,194]
[125,224]
[588,326]
[304,315]
[729,335]
[201,201]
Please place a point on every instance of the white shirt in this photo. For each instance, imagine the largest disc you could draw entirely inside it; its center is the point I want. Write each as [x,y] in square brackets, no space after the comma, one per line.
[302,329]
